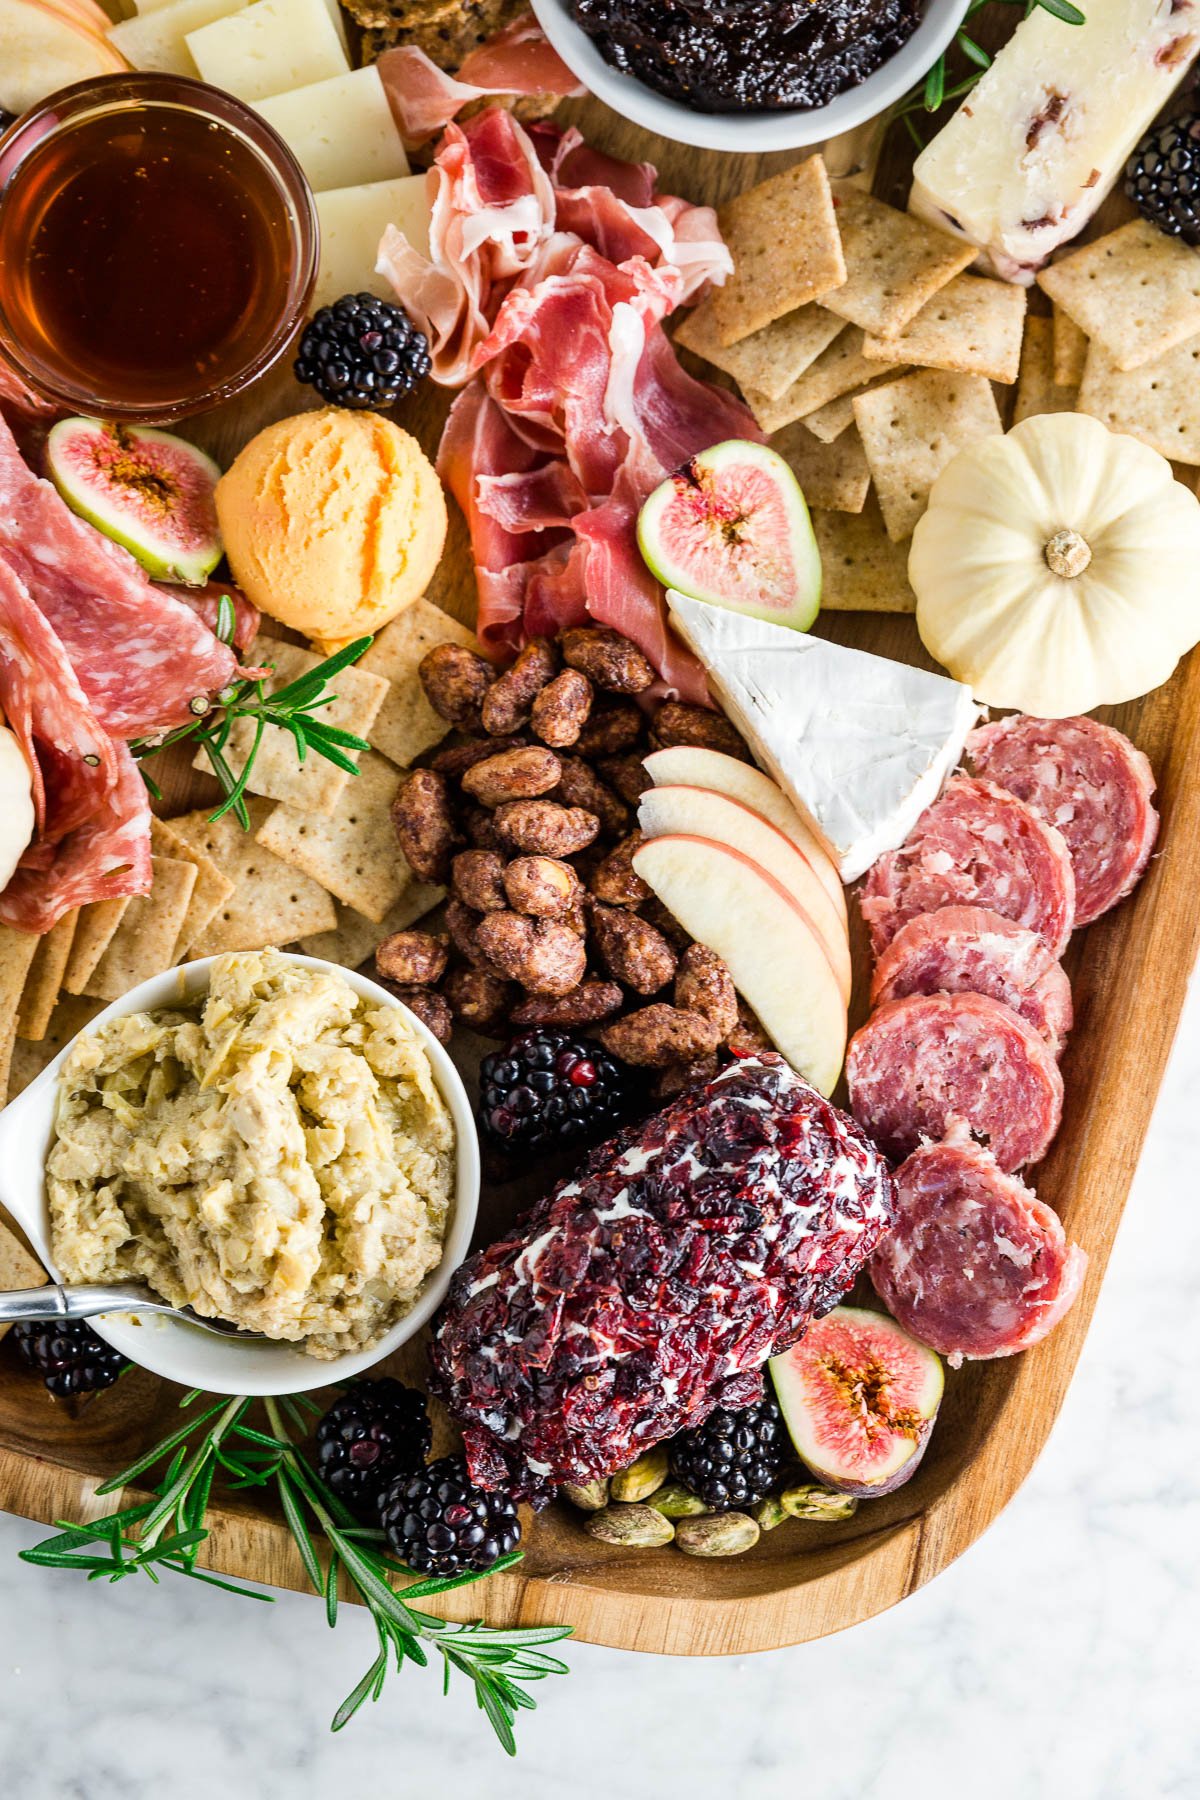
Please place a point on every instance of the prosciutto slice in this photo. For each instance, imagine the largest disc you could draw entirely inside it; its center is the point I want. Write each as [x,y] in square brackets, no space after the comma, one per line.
[105,858]
[518,60]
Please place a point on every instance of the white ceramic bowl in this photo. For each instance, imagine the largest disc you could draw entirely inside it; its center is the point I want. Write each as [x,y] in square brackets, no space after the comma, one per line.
[752,132]
[182,1352]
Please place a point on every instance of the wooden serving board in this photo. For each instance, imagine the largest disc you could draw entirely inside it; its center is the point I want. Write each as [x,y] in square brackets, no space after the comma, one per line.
[1129,974]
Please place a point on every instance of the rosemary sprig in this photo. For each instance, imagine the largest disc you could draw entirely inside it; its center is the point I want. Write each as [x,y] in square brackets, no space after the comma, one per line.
[938,88]
[165,1532]
[291,708]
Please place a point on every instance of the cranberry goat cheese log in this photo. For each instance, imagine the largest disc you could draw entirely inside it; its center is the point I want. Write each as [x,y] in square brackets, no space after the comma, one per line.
[654,1286]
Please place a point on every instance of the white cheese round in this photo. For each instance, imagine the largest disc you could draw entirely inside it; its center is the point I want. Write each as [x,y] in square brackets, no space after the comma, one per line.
[16,805]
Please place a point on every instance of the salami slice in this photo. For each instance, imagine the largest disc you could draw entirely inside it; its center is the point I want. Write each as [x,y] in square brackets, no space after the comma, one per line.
[978,845]
[1091,783]
[920,1065]
[968,949]
[106,858]
[976,1265]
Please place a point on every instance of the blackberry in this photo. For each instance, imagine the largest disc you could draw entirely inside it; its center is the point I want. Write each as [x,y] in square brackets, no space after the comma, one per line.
[547,1088]
[1162,177]
[439,1523]
[68,1355]
[734,1459]
[362,352]
[373,1432]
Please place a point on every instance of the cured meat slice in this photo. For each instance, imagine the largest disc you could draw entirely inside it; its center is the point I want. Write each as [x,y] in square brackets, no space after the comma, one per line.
[978,845]
[205,601]
[976,1266]
[926,1063]
[968,949]
[105,858]
[517,60]
[654,1286]
[1089,782]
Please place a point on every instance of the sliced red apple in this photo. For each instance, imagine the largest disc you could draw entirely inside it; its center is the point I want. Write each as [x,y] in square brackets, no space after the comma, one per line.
[45,49]
[699,812]
[767,941]
[685,766]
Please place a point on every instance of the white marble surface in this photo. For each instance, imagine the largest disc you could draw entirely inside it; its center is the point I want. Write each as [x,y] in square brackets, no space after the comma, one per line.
[1055,1661]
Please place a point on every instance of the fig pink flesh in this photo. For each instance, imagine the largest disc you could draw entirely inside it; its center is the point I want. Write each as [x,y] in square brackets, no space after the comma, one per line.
[867,1393]
[161,486]
[731,531]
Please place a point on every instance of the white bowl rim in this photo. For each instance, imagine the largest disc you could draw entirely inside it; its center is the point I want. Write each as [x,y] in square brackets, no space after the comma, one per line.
[752,133]
[196,1359]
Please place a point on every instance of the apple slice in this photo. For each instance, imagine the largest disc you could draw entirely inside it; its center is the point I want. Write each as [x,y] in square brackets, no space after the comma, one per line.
[45,49]
[699,812]
[683,765]
[776,958]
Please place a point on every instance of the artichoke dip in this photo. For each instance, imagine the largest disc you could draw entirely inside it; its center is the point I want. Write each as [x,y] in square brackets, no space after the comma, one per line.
[274,1153]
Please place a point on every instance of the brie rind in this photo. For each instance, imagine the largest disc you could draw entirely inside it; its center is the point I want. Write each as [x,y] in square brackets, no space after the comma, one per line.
[860,744]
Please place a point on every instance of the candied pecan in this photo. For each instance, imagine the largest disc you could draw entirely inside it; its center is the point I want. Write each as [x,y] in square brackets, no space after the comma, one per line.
[513,775]
[430,1007]
[458,758]
[614,727]
[749,1035]
[480,827]
[654,910]
[607,658]
[633,951]
[462,925]
[615,880]
[540,886]
[627,774]
[477,879]
[580,786]
[543,828]
[413,958]
[455,680]
[543,956]
[658,1035]
[678,1076]
[424,823]
[590,1001]
[677,723]
[561,709]
[483,1002]
[704,985]
[507,702]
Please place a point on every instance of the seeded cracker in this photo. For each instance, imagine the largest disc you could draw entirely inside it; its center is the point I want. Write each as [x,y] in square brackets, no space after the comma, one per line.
[1070,350]
[910,430]
[972,327]
[1158,403]
[836,371]
[270,903]
[144,942]
[353,854]
[770,360]
[861,569]
[93,934]
[44,980]
[1135,293]
[894,263]
[786,250]
[406,725]
[833,476]
[209,894]
[355,937]
[1037,389]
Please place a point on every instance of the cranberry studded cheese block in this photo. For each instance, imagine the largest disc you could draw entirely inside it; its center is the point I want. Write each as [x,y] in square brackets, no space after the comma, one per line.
[654,1286]
[976,1266]
[1089,782]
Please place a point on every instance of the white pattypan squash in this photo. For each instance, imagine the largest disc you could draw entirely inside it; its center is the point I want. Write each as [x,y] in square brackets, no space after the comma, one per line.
[1058,567]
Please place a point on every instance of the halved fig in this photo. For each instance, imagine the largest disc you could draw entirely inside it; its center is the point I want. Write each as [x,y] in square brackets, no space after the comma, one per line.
[147,490]
[859,1397]
[731,527]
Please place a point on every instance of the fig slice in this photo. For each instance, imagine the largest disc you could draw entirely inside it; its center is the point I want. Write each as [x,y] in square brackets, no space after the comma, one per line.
[859,1397]
[147,490]
[731,527]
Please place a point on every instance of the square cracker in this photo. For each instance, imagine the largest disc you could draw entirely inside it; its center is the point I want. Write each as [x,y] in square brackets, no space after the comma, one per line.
[894,263]
[971,327]
[768,360]
[862,570]
[910,430]
[69,1017]
[1037,389]
[406,725]
[354,853]
[786,248]
[1135,293]
[829,421]
[93,934]
[208,895]
[838,370]
[832,476]
[17,952]
[1070,350]
[313,785]
[44,980]
[19,1267]
[144,942]
[1158,403]
[356,937]
[270,903]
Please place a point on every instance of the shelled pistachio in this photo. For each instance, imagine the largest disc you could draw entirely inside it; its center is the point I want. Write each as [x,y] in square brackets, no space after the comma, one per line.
[643,1477]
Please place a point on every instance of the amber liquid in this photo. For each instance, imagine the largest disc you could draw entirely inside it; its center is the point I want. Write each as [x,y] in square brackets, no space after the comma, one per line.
[145,253]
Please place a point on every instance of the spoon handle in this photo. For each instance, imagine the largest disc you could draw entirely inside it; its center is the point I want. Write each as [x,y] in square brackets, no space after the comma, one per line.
[54,1302]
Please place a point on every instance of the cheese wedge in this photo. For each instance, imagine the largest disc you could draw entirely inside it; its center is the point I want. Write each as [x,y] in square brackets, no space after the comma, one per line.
[158,39]
[269,48]
[860,744]
[341,131]
[353,220]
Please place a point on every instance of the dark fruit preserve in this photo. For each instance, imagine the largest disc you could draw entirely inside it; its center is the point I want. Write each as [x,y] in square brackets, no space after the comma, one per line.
[150,252]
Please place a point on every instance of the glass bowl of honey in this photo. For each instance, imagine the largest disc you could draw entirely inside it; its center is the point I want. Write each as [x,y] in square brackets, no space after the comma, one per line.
[158,247]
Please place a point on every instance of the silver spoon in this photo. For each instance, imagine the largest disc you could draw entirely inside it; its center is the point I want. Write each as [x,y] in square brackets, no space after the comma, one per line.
[88,1302]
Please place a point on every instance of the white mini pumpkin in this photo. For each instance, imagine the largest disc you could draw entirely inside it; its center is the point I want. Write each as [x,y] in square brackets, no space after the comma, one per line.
[1057,568]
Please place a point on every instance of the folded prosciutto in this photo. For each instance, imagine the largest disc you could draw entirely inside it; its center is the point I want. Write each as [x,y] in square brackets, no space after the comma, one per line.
[518,60]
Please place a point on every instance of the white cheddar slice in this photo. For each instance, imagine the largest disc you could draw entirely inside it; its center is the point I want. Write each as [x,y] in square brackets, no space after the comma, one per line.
[1042,138]
[269,48]
[860,744]
[158,39]
[341,132]
[353,219]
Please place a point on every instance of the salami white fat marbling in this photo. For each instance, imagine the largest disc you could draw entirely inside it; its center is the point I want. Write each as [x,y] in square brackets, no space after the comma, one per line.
[105,858]
[1089,782]
[926,1063]
[977,845]
[976,1265]
[969,949]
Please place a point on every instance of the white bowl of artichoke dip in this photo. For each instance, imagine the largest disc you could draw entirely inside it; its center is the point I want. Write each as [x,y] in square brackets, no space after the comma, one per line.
[270,1140]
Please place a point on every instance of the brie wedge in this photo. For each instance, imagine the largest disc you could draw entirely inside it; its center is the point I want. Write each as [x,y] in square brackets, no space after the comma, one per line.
[860,744]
